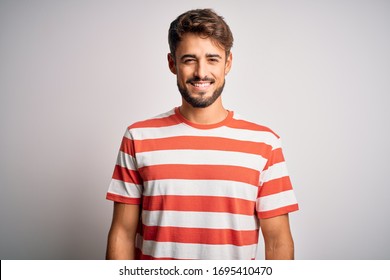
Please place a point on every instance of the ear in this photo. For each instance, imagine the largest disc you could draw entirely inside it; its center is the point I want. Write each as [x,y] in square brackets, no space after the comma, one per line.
[171,63]
[228,64]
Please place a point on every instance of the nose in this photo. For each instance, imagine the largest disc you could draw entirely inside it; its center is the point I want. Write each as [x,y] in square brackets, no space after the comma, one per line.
[201,70]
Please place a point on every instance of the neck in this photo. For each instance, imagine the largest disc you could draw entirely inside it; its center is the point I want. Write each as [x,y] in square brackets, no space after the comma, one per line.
[212,114]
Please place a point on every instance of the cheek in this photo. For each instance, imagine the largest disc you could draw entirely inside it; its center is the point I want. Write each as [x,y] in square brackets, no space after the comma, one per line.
[183,75]
[221,75]
[186,71]
[219,72]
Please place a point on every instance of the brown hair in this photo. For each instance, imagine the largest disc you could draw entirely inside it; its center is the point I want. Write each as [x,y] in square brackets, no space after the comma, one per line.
[203,22]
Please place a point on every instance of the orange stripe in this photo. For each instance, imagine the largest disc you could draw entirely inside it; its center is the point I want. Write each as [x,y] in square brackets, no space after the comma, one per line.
[275,186]
[201,235]
[123,199]
[202,126]
[276,157]
[241,124]
[278,212]
[202,143]
[127,146]
[202,172]
[126,175]
[160,122]
[199,204]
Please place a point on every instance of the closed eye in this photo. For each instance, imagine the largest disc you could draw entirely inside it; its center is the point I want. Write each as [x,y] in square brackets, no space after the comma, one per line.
[188,58]
[189,61]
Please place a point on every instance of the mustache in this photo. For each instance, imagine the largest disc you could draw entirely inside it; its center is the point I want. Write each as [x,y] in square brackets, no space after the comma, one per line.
[197,79]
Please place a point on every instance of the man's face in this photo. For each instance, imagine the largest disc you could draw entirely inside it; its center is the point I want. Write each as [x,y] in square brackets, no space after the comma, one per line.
[200,66]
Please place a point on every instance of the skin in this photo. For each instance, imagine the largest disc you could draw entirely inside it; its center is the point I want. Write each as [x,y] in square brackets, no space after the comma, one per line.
[200,66]
[121,238]
[278,241]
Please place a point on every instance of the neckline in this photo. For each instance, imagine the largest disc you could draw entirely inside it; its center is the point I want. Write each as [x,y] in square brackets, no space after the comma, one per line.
[204,126]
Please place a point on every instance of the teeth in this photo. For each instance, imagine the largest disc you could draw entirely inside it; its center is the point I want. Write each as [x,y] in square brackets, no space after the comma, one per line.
[202,85]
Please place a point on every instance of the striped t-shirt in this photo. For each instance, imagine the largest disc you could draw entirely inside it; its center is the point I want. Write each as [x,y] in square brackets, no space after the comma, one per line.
[202,188]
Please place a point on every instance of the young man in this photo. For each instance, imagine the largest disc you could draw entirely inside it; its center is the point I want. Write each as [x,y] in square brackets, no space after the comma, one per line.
[198,182]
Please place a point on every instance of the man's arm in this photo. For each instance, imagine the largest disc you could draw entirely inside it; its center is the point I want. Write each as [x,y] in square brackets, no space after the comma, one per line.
[278,241]
[121,238]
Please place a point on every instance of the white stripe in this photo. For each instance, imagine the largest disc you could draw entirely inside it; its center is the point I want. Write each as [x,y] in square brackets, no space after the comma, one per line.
[164,115]
[199,220]
[276,171]
[201,188]
[275,201]
[125,189]
[128,134]
[205,157]
[126,161]
[198,251]
[277,143]
[185,130]
[160,116]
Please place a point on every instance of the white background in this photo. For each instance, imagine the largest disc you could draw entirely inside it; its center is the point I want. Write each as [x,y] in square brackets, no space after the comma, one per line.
[75,74]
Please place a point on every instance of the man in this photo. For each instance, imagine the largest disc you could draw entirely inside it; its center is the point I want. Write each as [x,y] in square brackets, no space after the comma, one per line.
[199,181]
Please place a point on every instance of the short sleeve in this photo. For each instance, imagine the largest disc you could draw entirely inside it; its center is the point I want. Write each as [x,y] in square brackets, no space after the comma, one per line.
[126,184]
[275,196]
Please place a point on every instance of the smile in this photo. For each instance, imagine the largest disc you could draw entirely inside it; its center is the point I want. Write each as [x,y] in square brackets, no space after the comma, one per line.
[201,85]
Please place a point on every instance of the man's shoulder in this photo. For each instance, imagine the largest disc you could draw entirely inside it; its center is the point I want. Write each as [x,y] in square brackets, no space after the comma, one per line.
[241,122]
[162,119]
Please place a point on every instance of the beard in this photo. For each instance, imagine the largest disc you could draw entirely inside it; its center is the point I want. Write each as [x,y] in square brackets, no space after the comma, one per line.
[200,102]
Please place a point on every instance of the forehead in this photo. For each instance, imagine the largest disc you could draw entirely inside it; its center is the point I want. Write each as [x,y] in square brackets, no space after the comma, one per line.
[197,45]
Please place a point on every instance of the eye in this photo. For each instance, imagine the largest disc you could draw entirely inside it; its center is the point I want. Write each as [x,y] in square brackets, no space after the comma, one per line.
[189,60]
[214,60]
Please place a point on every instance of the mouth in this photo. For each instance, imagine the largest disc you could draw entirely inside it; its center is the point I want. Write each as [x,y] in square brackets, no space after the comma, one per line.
[201,85]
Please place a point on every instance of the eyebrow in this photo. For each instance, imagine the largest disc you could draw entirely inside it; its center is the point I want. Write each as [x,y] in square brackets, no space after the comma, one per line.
[213,55]
[208,55]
